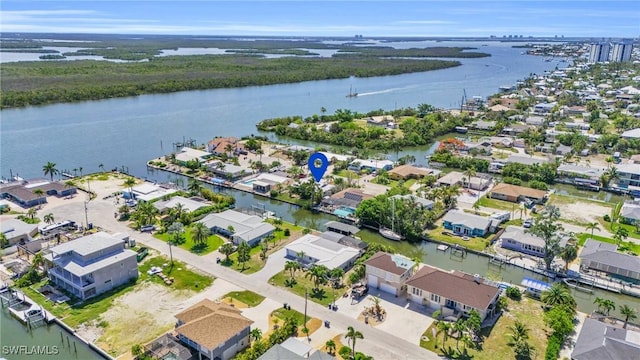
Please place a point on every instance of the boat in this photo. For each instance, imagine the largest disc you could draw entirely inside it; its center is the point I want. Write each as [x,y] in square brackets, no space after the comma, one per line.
[390,233]
[352,93]
[575,284]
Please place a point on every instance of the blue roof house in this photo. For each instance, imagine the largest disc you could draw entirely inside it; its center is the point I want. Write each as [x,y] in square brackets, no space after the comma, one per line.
[465,224]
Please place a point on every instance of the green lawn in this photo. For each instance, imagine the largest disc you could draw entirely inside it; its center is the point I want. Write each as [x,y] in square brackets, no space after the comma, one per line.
[213,242]
[324,296]
[283,314]
[495,341]
[497,204]
[250,298]
[624,245]
[557,199]
[287,198]
[184,279]
[474,243]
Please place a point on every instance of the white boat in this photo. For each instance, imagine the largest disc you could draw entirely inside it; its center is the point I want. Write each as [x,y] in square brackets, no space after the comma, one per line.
[390,233]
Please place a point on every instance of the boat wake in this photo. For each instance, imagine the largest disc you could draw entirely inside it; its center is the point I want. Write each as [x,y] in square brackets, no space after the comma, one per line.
[385,91]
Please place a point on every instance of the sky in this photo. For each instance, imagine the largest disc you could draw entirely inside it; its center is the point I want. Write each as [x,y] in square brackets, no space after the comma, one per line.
[580,18]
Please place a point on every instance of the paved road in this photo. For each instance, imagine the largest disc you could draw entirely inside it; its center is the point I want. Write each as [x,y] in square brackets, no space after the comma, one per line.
[377,343]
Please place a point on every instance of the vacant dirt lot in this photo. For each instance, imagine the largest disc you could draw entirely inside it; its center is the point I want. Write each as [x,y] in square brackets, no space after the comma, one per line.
[580,211]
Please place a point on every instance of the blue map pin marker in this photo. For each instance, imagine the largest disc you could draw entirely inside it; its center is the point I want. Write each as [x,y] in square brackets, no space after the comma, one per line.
[318,171]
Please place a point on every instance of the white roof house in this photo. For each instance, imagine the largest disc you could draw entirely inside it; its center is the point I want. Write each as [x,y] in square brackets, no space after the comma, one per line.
[148,191]
[631,134]
[338,157]
[16,230]
[188,205]
[240,227]
[322,251]
[188,154]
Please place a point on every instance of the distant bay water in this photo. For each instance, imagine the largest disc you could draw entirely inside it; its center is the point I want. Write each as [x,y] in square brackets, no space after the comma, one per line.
[129,131]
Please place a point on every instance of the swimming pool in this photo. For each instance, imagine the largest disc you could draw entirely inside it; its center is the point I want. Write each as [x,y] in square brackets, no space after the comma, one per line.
[249,182]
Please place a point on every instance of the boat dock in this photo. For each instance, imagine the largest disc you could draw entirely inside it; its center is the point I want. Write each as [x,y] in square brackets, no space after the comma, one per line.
[23,308]
[443,247]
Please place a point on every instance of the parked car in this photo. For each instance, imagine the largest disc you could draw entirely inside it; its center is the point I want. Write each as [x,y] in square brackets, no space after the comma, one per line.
[147,228]
[527,223]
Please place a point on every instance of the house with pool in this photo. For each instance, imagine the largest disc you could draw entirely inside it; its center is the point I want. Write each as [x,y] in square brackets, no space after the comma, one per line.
[465,224]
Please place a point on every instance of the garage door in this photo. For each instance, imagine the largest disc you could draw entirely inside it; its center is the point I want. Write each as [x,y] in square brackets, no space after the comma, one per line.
[372,281]
[388,288]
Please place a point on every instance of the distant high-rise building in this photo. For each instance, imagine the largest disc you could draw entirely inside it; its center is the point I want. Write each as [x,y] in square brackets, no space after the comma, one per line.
[621,51]
[599,52]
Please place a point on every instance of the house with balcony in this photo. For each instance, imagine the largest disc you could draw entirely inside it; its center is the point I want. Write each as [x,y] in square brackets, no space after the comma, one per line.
[454,293]
[628,175]
[388,272]
[213,330]
[92,265]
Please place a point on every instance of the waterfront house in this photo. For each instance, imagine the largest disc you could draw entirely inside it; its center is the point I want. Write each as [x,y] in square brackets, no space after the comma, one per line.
[515,193]
[526,160]
[345,240]
[485,125]
[289,351]
[418,201]
[92,265]
[628,175]
[228,171]
[344,203]
[147,191]
[187,154]
[370,165]
[17,231]
[462,223]
[389,272]
[213,330]
[599,340]
[515,129]
[381,120]
[604,257]
[24,193]
[333,157]
[519,239]
[188,204]
[321,251]
[342,228]
[407,171]
[220,145]
[571,171]
[238,227]
[452,292]
[167,347]
[630,211]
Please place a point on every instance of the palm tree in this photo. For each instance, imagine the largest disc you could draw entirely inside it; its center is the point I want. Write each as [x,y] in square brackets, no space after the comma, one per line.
[629,313]
[50,169]
[255,334]
[330,345]
[352,335]
[518,332]
[599,302]
[80,170]
[476,207]
[260,152]
[31,213]
[621,233]
[300,255]
[129,183]
[444,327]
[200,233]
[229,148]
[470,172]
[49,219]
[592,226]
[568,254]
[317,274]
[39,193]
[101,166]
[194,186]
[178,210]
[608,305]
[226,249]
[459,327]
[292,266]
[558,295]
[377,309]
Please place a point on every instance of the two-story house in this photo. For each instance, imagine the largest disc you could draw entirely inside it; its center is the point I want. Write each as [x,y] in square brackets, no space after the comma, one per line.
[214,330]
[389,272]
[453,292]
[628,175]
[92,264]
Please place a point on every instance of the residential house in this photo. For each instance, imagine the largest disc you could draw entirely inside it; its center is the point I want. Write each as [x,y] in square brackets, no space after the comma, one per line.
[344,203]
[526,160]
[630,212]
[515,193]
[214,330]
[515,129]
[345,240]
[599,340]
[563,150]
[238,227]
[535,121]
[228,171]
[577,126]
[188,204]
[418,201]
[631,134]
[389,272]
[453,292]
[570,171]
[187,154]
[604,257]
[332,157]
[147,191]
[286,351]
[92,265]
[17,231]
[544,108]
[486,125]
[519,239]
[222,145]
[574,110]
[628,175]
[382,120]
[370,165]
[320,251]
[407,171]
[342,228]
[462,223]
[167,347]
[27,193]
[456,178]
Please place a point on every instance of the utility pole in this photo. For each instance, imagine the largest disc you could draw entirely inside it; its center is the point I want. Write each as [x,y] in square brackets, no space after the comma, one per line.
[86,217]
[304,326]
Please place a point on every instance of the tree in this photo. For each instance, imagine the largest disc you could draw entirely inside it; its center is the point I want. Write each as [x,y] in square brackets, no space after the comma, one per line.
[244,253]
[377,308]
[39,193]
[459,327]
[598,301]
[50,169]
[137,350]
[49,219]
[558,295]
[226,249]
[352,335]
[129,183]
[4,242]
[101,166]
[476,207]
[31,213]
[194,186]
[592,226]
[317,273]
[200,233]
[518,333]
[621,233]
[549,229]
[444,327]
[568,254]
[292,267]
[469,173]
[608,305]
[175,231]
[255,334]
[474,322]
[330,345]
[629,313]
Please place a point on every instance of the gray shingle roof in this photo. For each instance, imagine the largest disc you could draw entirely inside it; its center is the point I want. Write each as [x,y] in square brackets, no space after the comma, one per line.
[598,341]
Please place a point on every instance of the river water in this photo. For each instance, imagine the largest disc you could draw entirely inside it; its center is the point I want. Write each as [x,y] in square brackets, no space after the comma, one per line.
[129,131]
